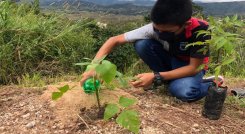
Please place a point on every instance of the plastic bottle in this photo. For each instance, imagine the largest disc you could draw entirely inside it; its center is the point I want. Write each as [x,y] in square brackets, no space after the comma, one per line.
[214,102]
[90,87]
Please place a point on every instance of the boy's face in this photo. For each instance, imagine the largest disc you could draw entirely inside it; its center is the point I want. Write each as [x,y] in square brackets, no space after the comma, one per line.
[176,29]
[168,32]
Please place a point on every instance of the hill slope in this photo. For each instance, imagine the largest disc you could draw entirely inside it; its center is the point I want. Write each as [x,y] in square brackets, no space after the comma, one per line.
[135,7]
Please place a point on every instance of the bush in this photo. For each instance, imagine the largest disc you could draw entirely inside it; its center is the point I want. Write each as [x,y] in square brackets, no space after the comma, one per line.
[31,43]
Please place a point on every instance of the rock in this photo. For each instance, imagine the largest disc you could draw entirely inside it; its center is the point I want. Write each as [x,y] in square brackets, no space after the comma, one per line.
[26,115]
[54,127]
[31,124]
[195,125]
[2,128]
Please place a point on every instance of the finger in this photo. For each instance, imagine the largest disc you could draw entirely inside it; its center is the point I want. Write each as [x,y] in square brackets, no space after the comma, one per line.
[84,78]
[136,83]
[139,76]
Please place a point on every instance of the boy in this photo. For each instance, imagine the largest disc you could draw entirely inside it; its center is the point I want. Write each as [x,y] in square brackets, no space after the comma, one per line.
[162,46]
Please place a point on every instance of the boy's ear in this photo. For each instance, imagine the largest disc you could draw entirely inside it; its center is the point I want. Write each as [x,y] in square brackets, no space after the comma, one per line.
[188,23]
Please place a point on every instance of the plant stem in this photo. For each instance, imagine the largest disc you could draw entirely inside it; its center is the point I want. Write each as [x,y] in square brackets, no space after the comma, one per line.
[97,94]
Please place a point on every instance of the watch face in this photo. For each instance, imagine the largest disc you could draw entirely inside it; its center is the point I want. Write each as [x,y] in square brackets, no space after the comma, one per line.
[158,80]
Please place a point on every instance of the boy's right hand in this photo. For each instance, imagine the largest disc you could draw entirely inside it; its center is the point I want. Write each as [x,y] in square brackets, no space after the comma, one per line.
[86,75]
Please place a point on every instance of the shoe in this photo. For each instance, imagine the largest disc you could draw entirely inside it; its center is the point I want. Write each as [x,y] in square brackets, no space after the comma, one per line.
[212,79]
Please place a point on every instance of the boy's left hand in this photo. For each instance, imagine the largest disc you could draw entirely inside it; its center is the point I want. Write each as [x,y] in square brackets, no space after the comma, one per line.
[143,80]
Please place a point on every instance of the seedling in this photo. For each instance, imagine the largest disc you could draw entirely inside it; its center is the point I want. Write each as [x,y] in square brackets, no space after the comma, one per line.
[127,117]
[107,72]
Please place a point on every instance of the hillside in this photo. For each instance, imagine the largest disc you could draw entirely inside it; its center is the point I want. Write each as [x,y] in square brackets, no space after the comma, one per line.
[119,8]
[139,7]
[223,8]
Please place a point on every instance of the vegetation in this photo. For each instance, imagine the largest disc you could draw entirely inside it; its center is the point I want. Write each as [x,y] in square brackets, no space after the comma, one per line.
[49,44]
[33,45]
[107,72]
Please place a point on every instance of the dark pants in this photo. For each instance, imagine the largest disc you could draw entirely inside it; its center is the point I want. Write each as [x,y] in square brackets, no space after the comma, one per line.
[159,60]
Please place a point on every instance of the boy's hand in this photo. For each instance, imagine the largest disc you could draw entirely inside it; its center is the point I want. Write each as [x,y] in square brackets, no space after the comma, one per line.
[143,80]
[87,75]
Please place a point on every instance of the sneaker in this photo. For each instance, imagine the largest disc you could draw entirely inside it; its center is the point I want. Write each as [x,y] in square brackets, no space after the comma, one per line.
[212,79]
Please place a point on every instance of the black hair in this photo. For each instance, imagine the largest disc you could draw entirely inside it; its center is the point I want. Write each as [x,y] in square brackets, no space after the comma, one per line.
[175,12]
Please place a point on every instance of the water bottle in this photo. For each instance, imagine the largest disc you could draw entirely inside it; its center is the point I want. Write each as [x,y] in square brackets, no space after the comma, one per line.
[214,102]
[90,87]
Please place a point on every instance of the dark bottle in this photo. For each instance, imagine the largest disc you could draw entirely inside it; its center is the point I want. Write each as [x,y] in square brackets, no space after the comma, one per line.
[90,86]
[214,102]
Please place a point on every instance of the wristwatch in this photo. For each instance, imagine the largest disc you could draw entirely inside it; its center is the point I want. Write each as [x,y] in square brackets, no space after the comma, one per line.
[158,79]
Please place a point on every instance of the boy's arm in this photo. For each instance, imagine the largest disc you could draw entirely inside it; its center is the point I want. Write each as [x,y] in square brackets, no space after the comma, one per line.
[109,45]
[184,71]
[104,50]
[147,78]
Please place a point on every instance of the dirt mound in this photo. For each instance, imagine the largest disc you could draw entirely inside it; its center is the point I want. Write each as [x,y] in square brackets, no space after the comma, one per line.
[69,105]
[30,110]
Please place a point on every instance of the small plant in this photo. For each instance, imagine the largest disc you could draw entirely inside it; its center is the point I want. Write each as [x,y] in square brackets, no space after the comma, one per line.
[127,117]
[107,72]
[222,43]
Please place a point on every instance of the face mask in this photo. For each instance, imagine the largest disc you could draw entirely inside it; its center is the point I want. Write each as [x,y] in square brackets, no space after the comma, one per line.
[167,36]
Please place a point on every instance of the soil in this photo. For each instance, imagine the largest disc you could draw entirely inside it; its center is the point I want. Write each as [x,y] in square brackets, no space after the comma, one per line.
[31,110]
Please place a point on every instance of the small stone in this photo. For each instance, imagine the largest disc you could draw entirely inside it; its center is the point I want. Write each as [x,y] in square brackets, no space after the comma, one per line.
[195,125]
[22,104]
[55,132]
[42,123]
[37,113]
[54,127]
[2,128]
[26,115]
[62,126]
[31,124]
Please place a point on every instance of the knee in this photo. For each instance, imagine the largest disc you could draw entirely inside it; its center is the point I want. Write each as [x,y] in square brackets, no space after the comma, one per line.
[185,90]
[142,46]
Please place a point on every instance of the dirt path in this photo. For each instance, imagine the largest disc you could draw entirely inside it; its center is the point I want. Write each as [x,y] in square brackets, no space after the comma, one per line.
[23,110]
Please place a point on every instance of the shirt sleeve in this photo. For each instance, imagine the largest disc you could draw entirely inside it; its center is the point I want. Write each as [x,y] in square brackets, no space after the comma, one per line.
[145,32]
[200,51]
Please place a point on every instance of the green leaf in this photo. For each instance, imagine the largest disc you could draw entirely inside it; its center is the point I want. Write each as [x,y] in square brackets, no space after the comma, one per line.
[226,62]
[228,47]
[87,59]
[91,66]
[83,64]
[201,67]
[218,40]
[126,102]
[221,44]
[217,71]
[107,71]
[56,95]
[64,88]
[130,120]
[110,111]
[122,81]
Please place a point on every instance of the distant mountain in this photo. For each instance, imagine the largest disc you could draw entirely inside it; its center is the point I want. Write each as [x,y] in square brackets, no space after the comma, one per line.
[135,7]
[223,8]
[83,5]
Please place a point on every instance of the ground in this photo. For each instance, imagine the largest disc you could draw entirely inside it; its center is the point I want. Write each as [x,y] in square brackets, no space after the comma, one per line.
[31,110]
